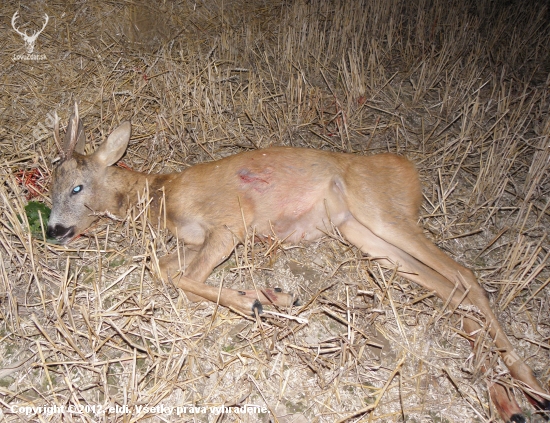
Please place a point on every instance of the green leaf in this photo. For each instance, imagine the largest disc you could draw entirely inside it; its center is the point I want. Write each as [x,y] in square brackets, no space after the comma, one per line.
[33,210]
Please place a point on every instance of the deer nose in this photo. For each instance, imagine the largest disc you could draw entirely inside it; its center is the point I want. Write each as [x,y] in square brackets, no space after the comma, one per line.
[60,232]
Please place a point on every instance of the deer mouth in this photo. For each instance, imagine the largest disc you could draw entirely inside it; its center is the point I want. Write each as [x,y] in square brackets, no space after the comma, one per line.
[61,234]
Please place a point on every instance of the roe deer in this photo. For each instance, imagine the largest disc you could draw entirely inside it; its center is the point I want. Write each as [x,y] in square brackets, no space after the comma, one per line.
[292,193]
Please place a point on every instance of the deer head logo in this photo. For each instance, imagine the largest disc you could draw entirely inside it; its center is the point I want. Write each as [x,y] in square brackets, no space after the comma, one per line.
[29,39]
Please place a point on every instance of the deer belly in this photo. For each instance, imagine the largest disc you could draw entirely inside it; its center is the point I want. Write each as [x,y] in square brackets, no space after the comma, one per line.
[294,203]
[299,218]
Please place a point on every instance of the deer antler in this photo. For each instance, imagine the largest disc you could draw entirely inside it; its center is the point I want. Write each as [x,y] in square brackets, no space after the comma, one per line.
[71,136]
[56,137]
[13,19]
[74,139]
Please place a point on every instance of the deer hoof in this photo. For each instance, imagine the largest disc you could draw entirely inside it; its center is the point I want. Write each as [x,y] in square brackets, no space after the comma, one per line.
[517,418]
[543,405]
[257,308]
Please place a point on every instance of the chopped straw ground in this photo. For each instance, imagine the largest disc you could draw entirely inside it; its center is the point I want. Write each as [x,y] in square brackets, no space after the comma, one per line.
[459,87]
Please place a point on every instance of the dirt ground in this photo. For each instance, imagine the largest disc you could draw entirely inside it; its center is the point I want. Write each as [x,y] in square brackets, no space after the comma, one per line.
[91,334]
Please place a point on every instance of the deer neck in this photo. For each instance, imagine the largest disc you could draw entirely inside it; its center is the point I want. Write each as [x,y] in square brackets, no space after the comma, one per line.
[127,187]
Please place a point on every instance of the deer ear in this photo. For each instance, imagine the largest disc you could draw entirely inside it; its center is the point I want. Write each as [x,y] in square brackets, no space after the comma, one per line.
[115,145]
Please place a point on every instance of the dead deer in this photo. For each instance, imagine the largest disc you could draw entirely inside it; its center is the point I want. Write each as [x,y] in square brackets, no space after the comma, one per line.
[293,193]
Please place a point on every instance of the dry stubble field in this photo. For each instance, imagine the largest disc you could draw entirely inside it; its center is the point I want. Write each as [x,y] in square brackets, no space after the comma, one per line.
[459,87]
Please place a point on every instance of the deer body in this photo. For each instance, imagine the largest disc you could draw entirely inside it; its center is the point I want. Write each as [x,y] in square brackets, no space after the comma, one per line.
[294,194]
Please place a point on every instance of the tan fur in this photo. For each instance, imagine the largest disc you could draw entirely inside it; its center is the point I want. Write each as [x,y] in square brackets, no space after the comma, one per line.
[293,194]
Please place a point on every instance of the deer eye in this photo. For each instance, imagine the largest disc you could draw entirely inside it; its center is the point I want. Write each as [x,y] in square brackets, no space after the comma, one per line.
[77,189]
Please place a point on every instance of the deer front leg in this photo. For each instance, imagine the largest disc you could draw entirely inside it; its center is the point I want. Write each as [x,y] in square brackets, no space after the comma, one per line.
[176,262]
[190,270]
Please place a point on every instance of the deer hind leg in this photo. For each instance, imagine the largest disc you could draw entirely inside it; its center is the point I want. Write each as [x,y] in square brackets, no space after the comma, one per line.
[408,237]
[191,268]
[412,269]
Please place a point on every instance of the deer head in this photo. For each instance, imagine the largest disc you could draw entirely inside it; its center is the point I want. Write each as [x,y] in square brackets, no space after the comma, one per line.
[29,39]
[79,185]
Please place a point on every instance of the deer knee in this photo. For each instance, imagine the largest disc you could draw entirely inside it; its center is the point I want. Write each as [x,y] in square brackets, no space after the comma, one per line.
[168,266]
[177,261]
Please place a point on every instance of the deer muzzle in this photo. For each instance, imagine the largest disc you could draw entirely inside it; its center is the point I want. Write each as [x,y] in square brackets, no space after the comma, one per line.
[60,233]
